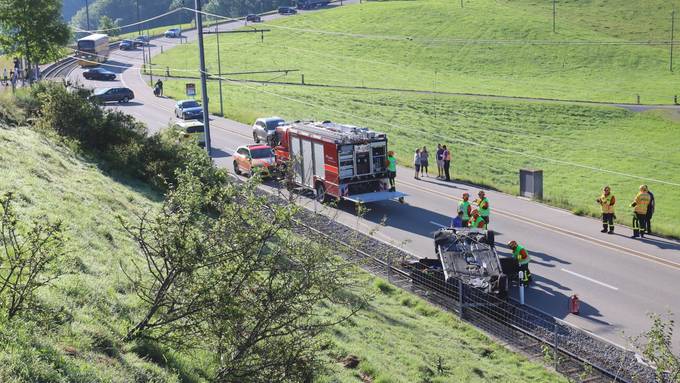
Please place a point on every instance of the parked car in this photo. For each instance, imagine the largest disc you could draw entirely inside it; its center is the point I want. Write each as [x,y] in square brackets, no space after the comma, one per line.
[253,18]
[264,129]
[173,32]
[113,94]
[141,40]
[99,74]
[287,11]
[190,131]
[251,159]
[188,110]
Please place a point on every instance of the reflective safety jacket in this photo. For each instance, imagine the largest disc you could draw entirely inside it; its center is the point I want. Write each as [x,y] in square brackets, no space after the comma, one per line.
[521,255]
[478,223]
[483,207]
[607,203]
[641,202]
[466,208]
[392,164]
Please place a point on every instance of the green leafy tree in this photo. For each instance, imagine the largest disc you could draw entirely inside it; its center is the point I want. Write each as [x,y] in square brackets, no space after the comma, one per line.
[110,26]
[33,29]
[656,345]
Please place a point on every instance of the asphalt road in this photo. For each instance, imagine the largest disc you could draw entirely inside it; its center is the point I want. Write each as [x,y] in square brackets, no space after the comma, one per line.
[618,279]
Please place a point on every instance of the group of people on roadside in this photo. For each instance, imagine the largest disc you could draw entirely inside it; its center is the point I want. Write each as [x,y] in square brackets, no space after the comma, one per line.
[643,209]
[421,162]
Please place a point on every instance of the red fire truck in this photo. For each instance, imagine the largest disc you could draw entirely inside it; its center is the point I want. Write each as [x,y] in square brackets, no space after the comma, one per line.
[336,161]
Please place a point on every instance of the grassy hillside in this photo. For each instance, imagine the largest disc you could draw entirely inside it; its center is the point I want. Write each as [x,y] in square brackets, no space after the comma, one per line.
[81,343]
[487,47]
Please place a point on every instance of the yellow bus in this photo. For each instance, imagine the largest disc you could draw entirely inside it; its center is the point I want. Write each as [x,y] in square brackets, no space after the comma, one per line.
[93,49]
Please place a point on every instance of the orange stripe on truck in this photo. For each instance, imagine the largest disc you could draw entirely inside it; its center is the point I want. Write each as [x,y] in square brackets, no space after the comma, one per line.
[330,168]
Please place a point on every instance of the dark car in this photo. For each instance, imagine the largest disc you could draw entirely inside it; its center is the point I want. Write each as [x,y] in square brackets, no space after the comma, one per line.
[99,74]
[287,11]
[173,32]
[141,41]
[189,110]
[253,18]
[113,94]
[126,45]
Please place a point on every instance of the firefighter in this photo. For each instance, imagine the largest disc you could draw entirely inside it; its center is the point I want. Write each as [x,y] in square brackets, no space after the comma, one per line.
[391,169]
[483,206]
[640,203]
[465,207]
[607,201]
[476,221]
[522,257]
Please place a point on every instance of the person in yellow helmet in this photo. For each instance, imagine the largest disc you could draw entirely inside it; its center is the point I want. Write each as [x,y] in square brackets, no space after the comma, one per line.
[607,201]
[640,205]
[522,257]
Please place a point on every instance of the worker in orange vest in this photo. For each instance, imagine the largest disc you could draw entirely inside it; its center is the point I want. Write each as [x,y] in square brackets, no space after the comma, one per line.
[607,201]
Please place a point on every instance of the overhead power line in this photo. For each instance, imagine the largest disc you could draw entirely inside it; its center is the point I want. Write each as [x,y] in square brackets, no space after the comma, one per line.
[131,25]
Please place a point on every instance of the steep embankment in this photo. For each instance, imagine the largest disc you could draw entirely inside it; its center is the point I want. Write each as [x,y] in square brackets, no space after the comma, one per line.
[398,338]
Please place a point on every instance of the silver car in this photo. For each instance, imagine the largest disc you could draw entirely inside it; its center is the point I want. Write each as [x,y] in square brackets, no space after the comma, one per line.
[264,129]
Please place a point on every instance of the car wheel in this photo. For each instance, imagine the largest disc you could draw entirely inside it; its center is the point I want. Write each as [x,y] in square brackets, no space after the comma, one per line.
[126,99]
[236,169]
[256,138]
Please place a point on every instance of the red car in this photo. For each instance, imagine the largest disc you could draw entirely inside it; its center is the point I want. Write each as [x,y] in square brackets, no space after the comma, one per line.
[251,159]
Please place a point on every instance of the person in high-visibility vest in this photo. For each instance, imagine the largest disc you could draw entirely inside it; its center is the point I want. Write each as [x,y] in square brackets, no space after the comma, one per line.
[483,206]
[476,221]
[465,207]
[607,201]
[391,169]
[522,257]
[641,204]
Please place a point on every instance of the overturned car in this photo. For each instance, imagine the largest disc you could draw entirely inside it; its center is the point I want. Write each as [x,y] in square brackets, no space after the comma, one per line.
[467,255]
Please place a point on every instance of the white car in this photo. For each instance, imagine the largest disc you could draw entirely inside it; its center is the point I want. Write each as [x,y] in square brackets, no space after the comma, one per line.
[264,128]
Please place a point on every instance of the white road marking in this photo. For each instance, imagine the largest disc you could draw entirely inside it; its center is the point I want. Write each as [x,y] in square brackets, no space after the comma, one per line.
[438,224]
[591,279]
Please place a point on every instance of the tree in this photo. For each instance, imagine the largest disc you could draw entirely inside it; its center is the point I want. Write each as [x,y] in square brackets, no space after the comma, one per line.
[29,259]
[222,270]
[656,345]
[33,29]
[109,26]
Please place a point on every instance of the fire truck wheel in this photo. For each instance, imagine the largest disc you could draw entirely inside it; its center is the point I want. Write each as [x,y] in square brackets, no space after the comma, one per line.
[236,169]
[256,138]
[320,193]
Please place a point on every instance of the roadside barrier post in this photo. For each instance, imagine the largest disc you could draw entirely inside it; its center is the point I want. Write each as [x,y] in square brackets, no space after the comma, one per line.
[555,347]
[461,302]
[521,287]
[389,268]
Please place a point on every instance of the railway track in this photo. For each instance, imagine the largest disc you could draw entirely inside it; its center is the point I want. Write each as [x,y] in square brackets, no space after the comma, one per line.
[60,69]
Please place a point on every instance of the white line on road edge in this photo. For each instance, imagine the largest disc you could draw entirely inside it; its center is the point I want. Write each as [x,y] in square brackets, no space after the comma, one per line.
[438,224]
[591,279]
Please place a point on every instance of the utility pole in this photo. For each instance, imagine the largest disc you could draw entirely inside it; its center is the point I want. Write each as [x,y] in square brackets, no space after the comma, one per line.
[87,14]
[139,26]
[219,66]
[554,14]
[204,85]
[672,37]
[461,3]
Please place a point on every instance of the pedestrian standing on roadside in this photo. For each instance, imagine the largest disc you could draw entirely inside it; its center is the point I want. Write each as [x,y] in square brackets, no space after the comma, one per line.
[650,211]
[607,201]
[416,163]
[13,80]
[440,161]
[447,162]
[640,203]
[424,159]
[391,169]
[4,77]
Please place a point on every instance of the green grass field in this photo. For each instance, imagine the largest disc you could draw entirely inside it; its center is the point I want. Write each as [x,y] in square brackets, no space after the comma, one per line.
[397,339]
[482,48]
[580,147]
